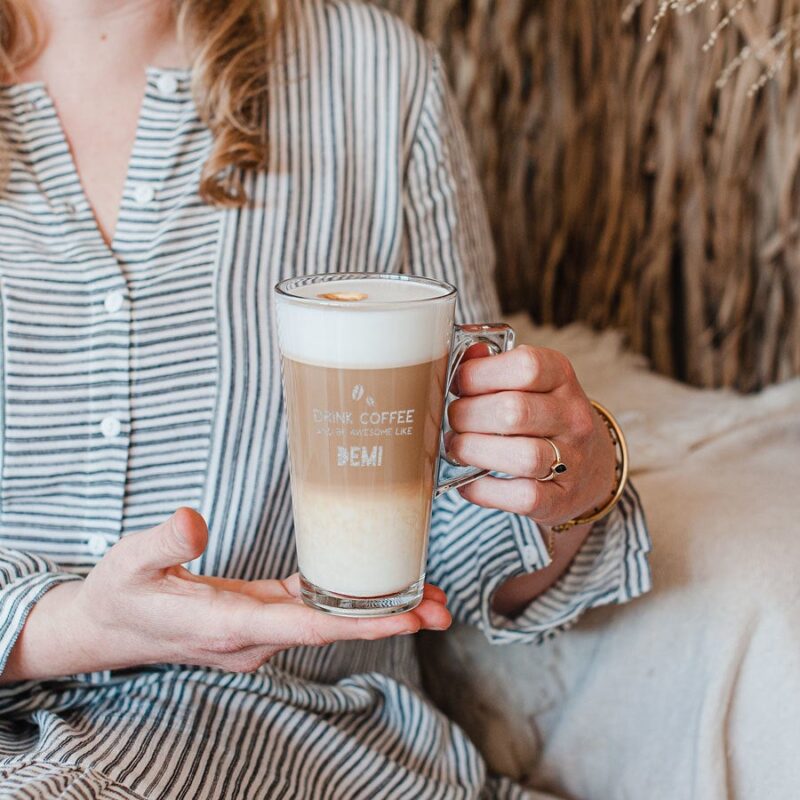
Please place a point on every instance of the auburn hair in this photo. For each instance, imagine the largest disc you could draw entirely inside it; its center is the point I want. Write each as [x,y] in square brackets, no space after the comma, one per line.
[230,44]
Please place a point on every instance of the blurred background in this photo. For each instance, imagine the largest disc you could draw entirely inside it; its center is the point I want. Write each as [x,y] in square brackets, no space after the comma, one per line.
[644,177]
[627,186]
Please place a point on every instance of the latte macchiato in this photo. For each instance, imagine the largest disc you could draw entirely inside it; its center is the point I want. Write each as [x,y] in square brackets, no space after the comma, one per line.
[365,363]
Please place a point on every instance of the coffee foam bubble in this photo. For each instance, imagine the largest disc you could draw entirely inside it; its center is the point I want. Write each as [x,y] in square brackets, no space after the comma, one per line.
[388,328]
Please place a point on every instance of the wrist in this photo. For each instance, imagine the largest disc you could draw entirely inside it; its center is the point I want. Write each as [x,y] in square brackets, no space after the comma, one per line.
[56,639]
[621,470]
[604,478]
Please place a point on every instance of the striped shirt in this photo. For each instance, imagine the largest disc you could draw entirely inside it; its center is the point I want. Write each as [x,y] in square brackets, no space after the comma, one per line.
[144,375]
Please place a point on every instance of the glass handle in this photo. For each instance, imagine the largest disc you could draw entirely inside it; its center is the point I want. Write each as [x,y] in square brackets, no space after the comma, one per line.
[499,338]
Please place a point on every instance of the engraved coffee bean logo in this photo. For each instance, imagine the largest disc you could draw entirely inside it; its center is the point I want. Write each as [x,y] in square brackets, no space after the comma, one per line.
[370,401]
[358,392]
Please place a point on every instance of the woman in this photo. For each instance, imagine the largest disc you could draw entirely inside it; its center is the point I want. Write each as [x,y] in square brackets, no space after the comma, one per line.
[167,163]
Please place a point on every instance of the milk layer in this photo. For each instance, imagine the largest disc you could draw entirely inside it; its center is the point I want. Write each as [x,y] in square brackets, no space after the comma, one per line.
[366,547]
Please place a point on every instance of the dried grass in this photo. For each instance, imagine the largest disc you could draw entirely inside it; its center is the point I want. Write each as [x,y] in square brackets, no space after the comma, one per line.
[626,188]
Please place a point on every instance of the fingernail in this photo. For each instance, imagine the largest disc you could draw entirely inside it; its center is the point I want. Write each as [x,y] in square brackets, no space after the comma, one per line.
[453,460]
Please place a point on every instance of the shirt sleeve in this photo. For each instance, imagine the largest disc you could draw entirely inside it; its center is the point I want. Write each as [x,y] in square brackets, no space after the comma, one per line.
[474,550]
[24,578]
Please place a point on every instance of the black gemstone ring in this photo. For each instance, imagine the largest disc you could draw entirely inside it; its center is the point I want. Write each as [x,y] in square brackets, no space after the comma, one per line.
[558,467]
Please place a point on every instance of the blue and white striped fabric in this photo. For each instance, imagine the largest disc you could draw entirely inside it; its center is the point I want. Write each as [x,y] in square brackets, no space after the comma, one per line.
[143,376]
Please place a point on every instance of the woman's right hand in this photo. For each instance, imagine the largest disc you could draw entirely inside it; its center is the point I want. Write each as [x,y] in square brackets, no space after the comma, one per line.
[140,606]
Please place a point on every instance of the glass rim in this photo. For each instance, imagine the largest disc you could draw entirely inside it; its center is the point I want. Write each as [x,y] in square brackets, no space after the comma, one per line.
[283,288]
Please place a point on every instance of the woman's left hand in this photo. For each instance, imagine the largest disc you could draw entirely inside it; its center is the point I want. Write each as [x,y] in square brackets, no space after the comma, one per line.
[506,404]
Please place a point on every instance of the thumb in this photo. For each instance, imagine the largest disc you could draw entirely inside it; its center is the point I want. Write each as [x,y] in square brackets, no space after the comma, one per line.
[181,538]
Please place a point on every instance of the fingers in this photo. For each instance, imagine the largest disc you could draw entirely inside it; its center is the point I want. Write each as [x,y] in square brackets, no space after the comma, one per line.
[478,350]
[290,588]
[181,538]
[507,413]
[429,614]
[521,456]
[282,626]
[281,619]
[290,625]
[524,369]
[431,592]
[518,495]
[291,585]
[286,590]
[267,591]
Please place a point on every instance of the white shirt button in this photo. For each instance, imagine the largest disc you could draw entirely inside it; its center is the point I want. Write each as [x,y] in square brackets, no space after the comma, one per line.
[97,544]
[69,209]
[167,84]
[37,103]
[531,555]
[143,194]
[113,302]
[110,427]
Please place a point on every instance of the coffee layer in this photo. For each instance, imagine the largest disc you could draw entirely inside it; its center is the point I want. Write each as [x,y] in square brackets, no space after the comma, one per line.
[364,427]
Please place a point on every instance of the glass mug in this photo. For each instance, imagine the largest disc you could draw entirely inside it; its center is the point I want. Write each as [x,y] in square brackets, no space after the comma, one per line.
[367,364]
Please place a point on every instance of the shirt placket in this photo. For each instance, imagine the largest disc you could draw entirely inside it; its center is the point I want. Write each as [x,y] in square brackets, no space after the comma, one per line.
[137,237]
[110,394]
[166,100]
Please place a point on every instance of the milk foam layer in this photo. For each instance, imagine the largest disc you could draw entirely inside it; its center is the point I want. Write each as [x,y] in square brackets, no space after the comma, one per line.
[393,327]
[367,548]
[377,290]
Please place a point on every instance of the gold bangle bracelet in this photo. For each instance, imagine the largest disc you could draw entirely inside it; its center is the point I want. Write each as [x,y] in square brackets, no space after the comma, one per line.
[622,468]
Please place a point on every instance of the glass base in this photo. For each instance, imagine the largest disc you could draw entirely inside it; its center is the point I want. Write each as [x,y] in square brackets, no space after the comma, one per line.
[344,605]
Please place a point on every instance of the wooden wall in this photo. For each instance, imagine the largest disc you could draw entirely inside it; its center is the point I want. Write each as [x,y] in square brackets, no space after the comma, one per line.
[625,188]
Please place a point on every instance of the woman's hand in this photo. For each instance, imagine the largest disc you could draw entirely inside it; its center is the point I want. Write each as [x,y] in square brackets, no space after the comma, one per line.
[508,403]
[140,606]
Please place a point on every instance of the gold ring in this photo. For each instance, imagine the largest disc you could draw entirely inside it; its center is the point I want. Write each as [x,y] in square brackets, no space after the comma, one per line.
[558,467]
